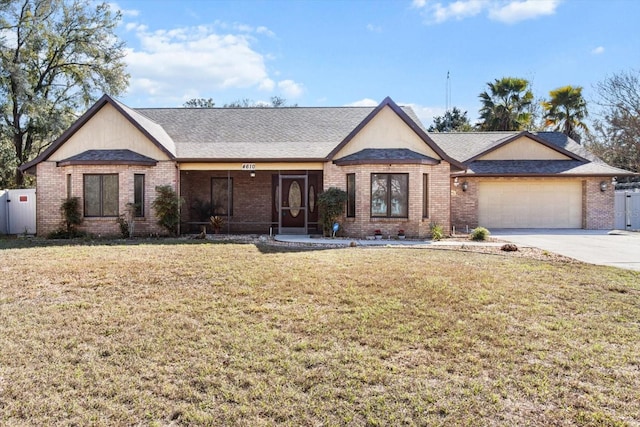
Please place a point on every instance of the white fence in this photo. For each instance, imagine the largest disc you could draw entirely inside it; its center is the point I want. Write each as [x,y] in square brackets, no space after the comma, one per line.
[18,211]
[627,210]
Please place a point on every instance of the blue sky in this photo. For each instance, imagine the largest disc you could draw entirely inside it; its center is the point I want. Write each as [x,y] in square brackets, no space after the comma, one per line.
[334,53]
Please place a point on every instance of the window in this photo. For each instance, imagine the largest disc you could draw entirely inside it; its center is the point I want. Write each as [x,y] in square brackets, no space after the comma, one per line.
[351,195]
[425,195]
[138,194]
[222,196]
[389,195]
[100,195]
[68,186]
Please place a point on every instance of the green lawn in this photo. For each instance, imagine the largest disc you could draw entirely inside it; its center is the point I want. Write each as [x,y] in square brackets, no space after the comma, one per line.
[229,334]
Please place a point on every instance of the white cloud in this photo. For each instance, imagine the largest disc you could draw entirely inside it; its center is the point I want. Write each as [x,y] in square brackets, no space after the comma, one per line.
[173,62]
[457,10]
[290,88]
[374,28]
[597,51]
[366,102]
[506,11]
[124,12]
[517,11]
[265,31]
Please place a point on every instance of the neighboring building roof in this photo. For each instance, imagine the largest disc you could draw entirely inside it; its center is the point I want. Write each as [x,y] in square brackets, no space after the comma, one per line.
[108,157]
[377,155]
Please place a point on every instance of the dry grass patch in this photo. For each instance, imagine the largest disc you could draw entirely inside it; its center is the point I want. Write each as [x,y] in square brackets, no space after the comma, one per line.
[225,334]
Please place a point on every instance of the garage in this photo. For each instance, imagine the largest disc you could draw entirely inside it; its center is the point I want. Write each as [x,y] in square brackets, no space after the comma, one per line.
[530,204]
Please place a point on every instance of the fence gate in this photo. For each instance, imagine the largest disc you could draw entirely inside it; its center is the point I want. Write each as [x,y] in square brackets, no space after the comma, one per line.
[627,210]
[18,211]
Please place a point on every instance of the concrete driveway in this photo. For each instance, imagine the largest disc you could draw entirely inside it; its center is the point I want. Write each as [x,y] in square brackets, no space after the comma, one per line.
[615,248]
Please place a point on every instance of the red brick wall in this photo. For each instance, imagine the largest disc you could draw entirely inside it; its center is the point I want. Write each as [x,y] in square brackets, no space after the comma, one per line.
[415,225]
[51,191]
[599,213]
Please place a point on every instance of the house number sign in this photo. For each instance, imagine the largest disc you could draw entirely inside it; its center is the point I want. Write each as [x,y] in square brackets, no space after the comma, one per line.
[248,166]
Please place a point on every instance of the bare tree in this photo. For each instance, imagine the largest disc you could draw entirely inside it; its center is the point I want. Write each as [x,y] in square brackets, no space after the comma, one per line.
[616,137]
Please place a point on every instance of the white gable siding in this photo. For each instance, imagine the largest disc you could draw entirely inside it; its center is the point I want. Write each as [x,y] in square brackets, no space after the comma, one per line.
[386,130]
[524,149]
[108,130]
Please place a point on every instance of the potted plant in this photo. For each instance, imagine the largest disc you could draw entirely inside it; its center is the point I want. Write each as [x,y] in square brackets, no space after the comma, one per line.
[377,234]
[401,235]
[216,222]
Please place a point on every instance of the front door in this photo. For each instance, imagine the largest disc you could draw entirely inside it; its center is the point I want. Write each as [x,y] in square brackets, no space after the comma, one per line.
[293,204]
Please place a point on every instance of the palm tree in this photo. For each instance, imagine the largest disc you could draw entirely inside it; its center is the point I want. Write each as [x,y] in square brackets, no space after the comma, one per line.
[565,111]
[504,107]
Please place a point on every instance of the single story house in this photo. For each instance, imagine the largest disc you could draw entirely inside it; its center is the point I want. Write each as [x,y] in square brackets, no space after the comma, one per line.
[262,169]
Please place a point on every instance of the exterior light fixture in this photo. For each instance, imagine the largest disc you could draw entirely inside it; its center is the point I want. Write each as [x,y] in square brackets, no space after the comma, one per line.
[603,186]
[465,186]
[252,174]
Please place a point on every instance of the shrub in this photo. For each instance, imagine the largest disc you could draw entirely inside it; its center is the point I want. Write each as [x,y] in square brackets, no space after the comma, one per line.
[71,218]
[479,233]
[331,204]
[437,232]
[70,210]
[167,206]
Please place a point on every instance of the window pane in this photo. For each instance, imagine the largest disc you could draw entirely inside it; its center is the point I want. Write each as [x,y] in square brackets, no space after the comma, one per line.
[379,194]
[92,195]
[351,195]
[138,194]
[399,193]
[425,195]
[220,192]
[109,195]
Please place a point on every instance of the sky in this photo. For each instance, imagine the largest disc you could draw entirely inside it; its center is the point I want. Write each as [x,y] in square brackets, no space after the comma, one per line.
[352,52]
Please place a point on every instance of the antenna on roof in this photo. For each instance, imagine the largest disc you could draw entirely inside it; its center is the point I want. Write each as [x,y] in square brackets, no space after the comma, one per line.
[447,103]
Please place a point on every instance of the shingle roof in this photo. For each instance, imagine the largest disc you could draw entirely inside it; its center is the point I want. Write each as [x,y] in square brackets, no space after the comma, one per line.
[541,167]
[235,133]
[96,157]
[467,145]
[381,155]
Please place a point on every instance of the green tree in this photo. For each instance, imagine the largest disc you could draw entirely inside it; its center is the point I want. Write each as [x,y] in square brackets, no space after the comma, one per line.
[452,121]
[200,103]
[505,105]
[56,57]
[566,110]
[617,130]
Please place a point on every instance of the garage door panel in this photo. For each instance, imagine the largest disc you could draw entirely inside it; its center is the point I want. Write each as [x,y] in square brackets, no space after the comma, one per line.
[530,204]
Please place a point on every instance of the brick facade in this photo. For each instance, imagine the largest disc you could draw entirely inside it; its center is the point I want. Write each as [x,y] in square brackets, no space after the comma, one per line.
[417,224]
[51,190]
[597,206]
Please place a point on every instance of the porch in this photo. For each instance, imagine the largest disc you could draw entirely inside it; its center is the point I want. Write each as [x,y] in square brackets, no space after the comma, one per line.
[251,200]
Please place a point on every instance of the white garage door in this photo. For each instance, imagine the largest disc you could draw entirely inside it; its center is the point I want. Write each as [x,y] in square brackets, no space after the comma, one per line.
[530,204]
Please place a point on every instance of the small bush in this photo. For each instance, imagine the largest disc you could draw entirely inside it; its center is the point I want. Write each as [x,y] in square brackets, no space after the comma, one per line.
[479,233]
[331,204]
[437,232]
[167,207]
[71,218]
